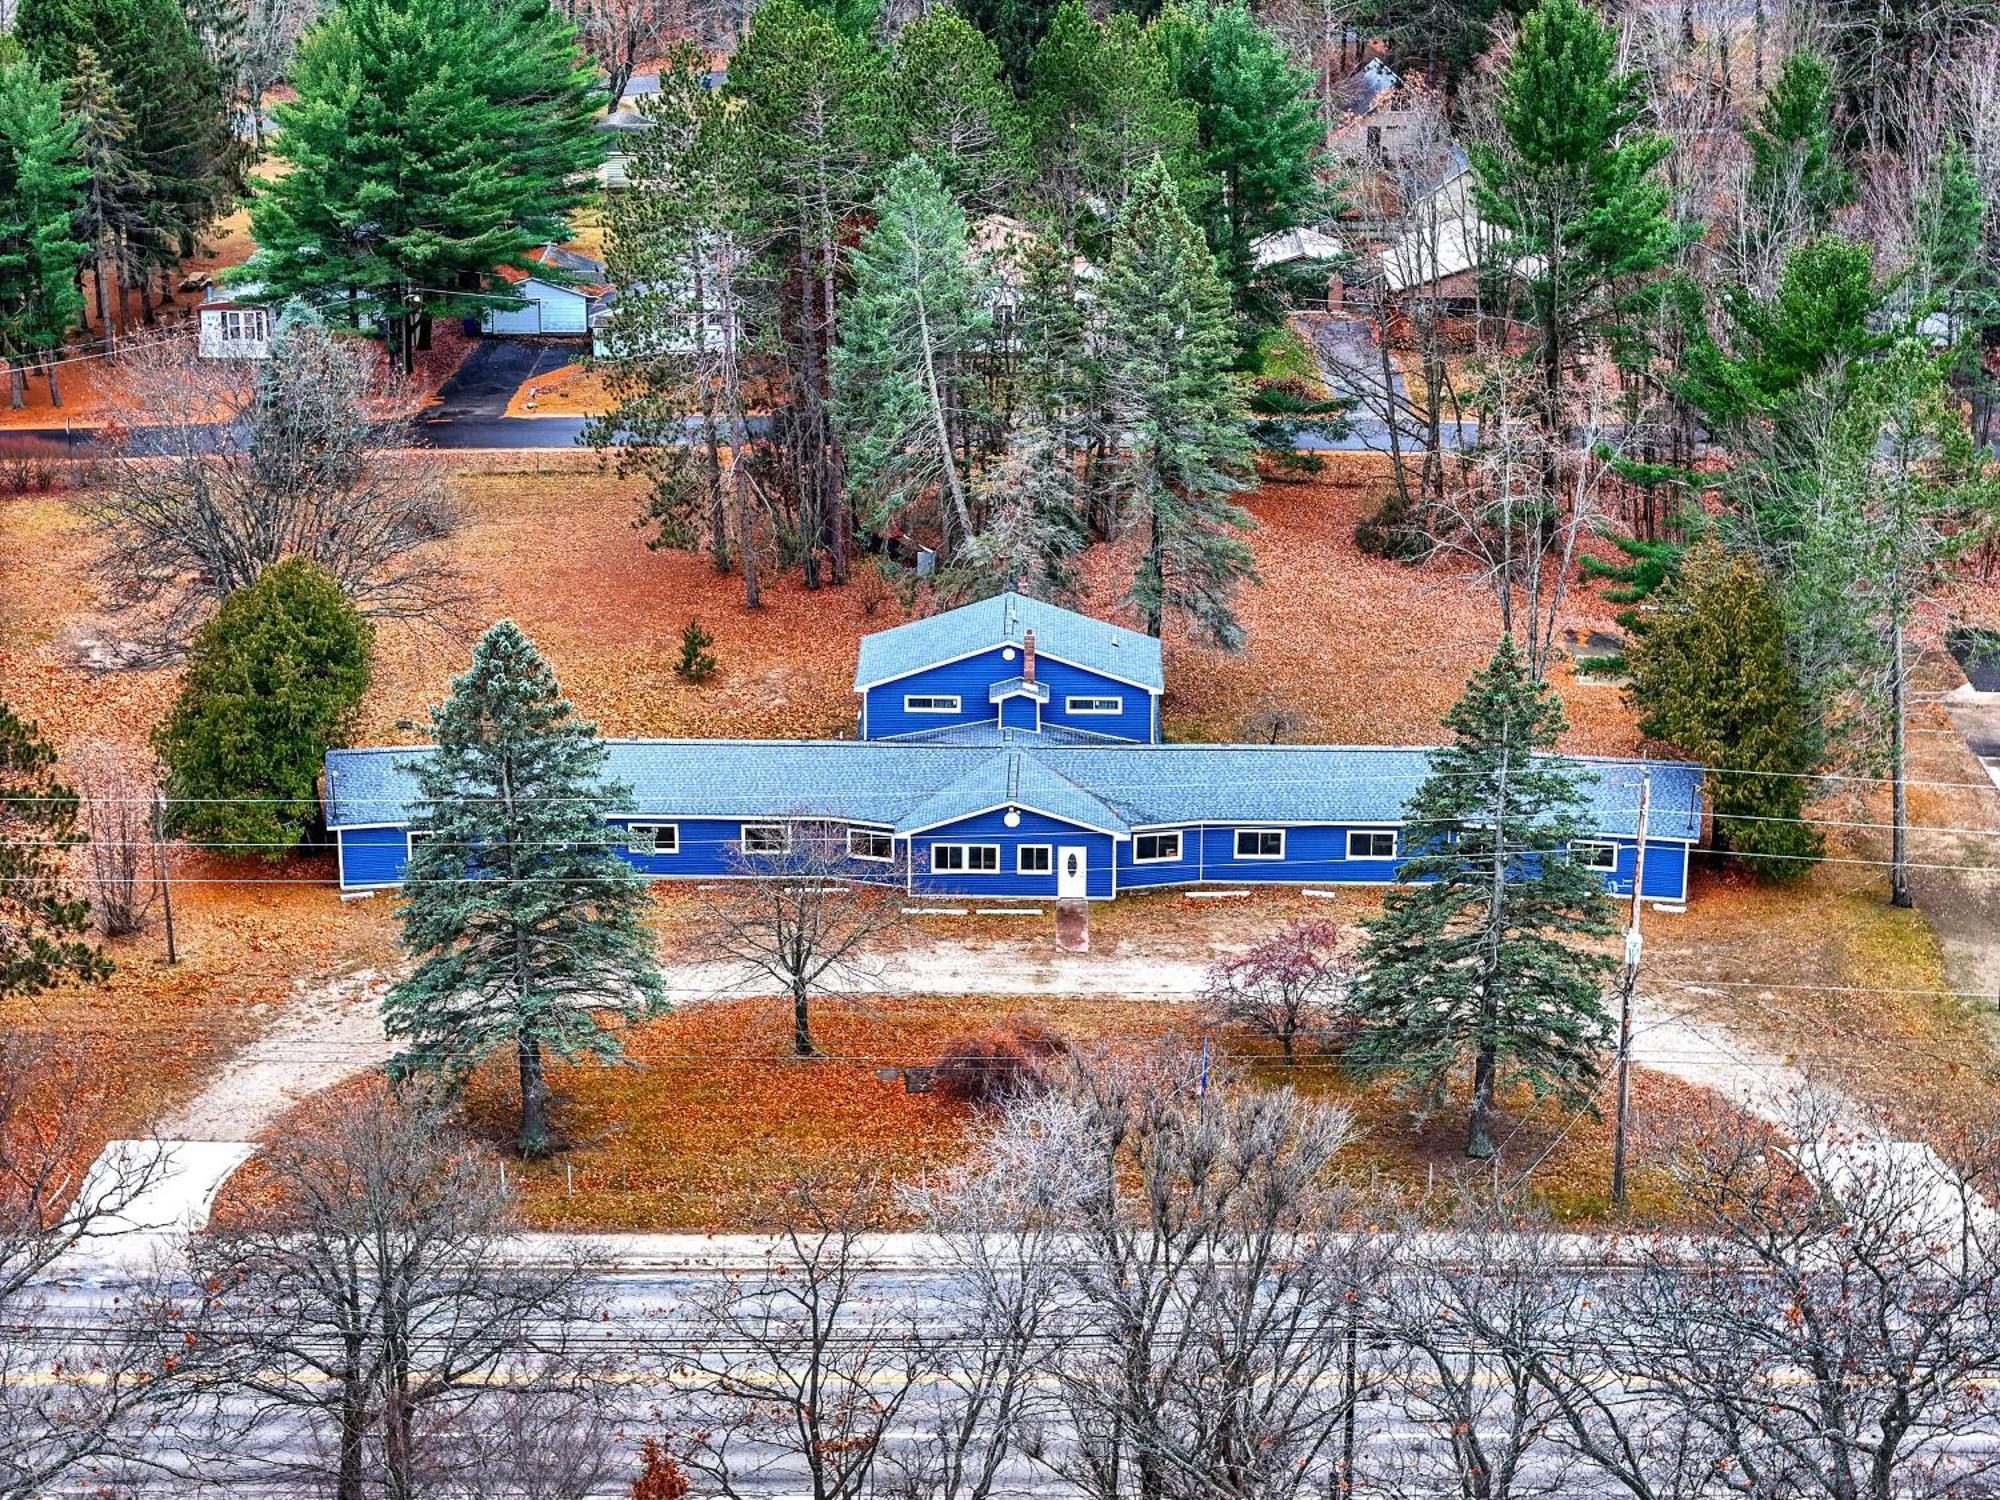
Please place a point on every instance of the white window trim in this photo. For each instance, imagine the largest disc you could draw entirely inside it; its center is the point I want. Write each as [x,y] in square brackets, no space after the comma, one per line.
[966,868]
[671,830]
[1049,850]
[1580,850]
[784,831]
[415,836]
[1369,833]
[933,703]
[1180,846]
[1070,704]
[871,833]
[1237,843]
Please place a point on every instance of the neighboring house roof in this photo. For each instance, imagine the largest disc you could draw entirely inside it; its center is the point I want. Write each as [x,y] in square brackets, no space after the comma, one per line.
[1291,245]
[907,786]
[1451,245]
[576,272]
[1005,242]
[1002,620]
[1366,87]
[625,119]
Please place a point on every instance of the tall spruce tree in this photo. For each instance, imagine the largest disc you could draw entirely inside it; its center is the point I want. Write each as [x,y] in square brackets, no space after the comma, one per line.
[1178,411]
[431,142]
[41,200]
[43,926]
[527,929]
[1484,949]
[1712,675]
[1570,187]
[915,316]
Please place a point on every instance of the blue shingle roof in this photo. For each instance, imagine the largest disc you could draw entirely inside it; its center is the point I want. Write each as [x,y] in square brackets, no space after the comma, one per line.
[901,783]
[1002,620]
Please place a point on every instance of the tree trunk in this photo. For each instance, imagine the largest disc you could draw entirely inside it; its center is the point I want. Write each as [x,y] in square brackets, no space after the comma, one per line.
[103,302]
[1899,796]
[349,1484]
[49,363]
[17,387]
[534,1140]
[739,433]
[146,314]
[1479,1131]
[802,1038]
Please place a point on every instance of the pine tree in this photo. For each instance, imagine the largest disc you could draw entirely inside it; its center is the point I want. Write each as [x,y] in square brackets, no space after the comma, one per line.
[675,251]
[528,931]
[817,114]
[431,142]
[1483,948]
[957,111]
[1016,28]
[273,680]
[1570,186]
[1797,179]
[1178,405]
[1712,676]
[1260,133]
[1102,106]
[42,925]
[917,310]
[116,190]
[1032,532]
[41,198]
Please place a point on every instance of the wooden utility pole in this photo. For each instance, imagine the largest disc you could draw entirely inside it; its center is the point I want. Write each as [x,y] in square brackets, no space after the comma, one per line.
[1629,983]
[160,874]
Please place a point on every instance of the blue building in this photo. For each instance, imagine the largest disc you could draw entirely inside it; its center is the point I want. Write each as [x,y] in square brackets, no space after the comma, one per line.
[1011,749]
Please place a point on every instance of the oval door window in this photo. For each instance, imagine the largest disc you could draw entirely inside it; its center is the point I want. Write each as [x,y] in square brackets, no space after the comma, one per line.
[1069,867]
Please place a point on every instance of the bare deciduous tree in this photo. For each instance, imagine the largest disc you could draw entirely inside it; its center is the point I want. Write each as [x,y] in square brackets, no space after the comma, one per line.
[220,473]
[794,909]
[387,1340]
[620,35]
[797,1377]
[119,860]
[85,1389]
[1200,1280]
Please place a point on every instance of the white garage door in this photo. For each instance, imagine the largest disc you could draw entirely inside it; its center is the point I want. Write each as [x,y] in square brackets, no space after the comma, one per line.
[550,309]
[563,312]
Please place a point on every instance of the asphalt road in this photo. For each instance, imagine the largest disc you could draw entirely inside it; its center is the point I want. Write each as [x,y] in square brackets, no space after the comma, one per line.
[469,422]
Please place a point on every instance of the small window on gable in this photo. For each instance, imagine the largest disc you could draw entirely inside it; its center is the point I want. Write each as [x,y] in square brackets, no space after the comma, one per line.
[1260,843]
[1594,854]
[652,838]
[766,838]
[871,843]
[1094,705]
[1152,848]
[1034,859]
[1371,843]
[930,703]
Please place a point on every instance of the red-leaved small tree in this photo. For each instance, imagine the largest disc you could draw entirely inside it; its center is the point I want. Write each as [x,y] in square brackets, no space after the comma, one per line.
[1286,987]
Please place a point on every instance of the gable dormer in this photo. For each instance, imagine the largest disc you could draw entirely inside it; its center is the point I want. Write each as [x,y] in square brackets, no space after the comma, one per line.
[1010,668]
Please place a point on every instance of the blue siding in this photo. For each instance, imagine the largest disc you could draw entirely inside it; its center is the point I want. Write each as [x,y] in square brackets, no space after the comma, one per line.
[371,856]
[991,828]
[1020,712]
[971,678]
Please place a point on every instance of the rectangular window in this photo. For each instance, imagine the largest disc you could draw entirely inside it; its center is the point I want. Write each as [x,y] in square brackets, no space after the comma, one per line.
[1152,848]
[930,703]
[1371,843]
[1094,705]
[1260,843]
[418,836]
[970,859]
[871,843]
[766,838]
[1594,854]
[1034,859]
[652,838]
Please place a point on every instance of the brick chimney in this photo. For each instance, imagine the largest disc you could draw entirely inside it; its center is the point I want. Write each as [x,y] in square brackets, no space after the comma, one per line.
[1028,655]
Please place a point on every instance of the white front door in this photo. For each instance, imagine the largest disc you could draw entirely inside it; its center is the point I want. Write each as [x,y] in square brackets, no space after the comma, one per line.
[1072,872]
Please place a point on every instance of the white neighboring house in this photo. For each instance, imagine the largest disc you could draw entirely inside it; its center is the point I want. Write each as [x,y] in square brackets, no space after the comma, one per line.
[552,307]
[233,329]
